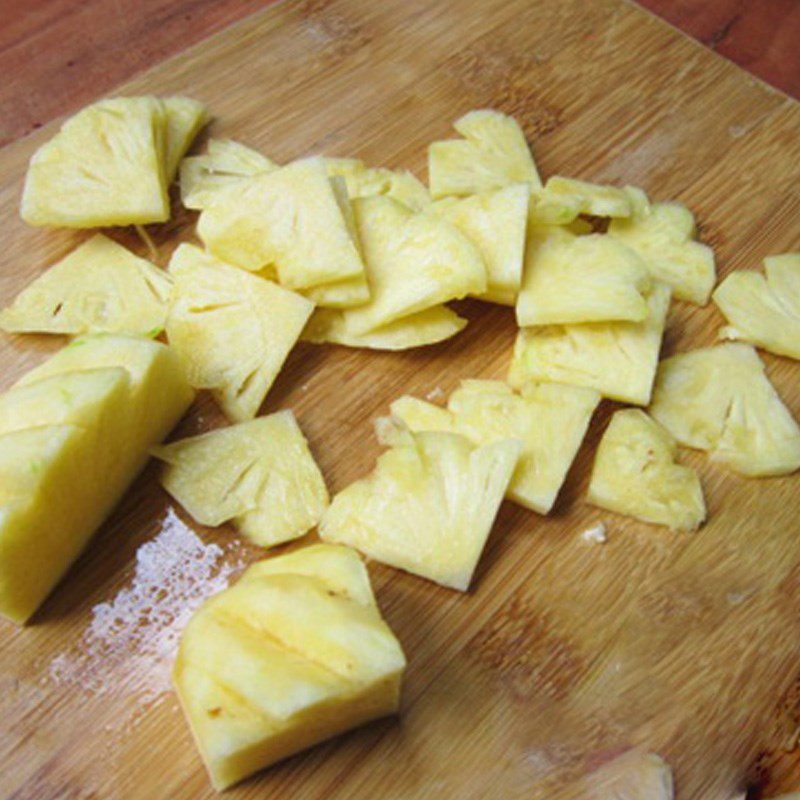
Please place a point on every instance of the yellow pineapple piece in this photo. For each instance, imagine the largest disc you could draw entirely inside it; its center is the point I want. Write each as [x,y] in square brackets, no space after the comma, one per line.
[618,359]
[635,775]
[720,400]
[427,507]
[635,473]
[417,330]
[414,262]
[290,219]
[663,235]
[492,154]
[74,432]
[259,473]
[764,312]
[234,330]
[226,163]
[185,118]
[496,222]
[363,181]
[99,287]
[293,654]
[569,197]
[549,419]
[104,167]
[569,279]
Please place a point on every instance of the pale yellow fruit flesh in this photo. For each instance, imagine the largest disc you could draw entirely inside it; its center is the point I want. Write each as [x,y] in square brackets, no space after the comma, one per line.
[293,654]
[635,473]
[185,118]
[427,507]
[363,181]
[100,287]
[764,310]
[563,199]
[719,399]
[260,474]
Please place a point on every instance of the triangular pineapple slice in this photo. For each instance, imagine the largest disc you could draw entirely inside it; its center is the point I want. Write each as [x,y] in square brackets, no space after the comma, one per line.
[571,279]
[563,199]
[492,154]
[427,507]
[496,222]
[99,286]
[663,235]
[290,219]
[417,330]
[414,262]
[719,399]
[185,118]
[286,658]
[260,474]
[764,312]
[549,419]
[226,163]
[618,359]
[233,329]
[635,473]
[363,181]
[104,167]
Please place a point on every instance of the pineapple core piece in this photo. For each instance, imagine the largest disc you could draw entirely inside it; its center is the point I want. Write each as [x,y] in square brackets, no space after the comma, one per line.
[260,474]
[720,400]
[233,329]
[289,219]
[571,279]
[496,222]
[427,507]
[618,359]
[205,177]
[74,433]
[414,262]
[635,473]
[294,653]
[764,312]
[549,419]
[99,287]
[185,118]
[564,199]
[423,328]
[663,235]
[363,181]
[492,154]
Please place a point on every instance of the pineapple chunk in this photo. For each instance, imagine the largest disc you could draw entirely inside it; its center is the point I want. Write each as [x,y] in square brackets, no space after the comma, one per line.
[260,474]
[663,235]
[363,181]
[226,163]
[104,167]
[496,222]
[75,432]
[564,199]
[550,420]
[414,262]
[291,219]
[99,287]
[185,118]
[618,359]
[492,154]
[635,775]
[764,312]
[571,279]
[720,400]
[427,507]
[233,329]
[635,473]
[293,654]
[417,330]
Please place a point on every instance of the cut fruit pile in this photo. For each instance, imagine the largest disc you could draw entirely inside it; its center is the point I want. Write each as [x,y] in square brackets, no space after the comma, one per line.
[330,250]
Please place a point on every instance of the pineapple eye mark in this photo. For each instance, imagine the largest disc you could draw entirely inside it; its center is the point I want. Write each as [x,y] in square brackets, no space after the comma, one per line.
[210,307]
[57,310]
[240,479]
[246,384]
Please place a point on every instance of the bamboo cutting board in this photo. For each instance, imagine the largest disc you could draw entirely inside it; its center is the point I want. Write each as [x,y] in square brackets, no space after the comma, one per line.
[564,653]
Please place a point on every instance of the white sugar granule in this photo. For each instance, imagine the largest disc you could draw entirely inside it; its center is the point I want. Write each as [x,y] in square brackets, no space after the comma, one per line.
[596,534]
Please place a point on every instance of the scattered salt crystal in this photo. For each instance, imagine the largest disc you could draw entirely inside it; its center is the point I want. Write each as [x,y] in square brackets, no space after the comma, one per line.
[435,394]
[596,534]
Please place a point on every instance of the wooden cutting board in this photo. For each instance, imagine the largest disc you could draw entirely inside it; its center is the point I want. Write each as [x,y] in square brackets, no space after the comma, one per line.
[564,653]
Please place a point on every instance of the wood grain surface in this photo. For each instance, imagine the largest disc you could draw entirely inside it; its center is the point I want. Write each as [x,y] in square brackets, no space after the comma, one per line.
[563,654]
